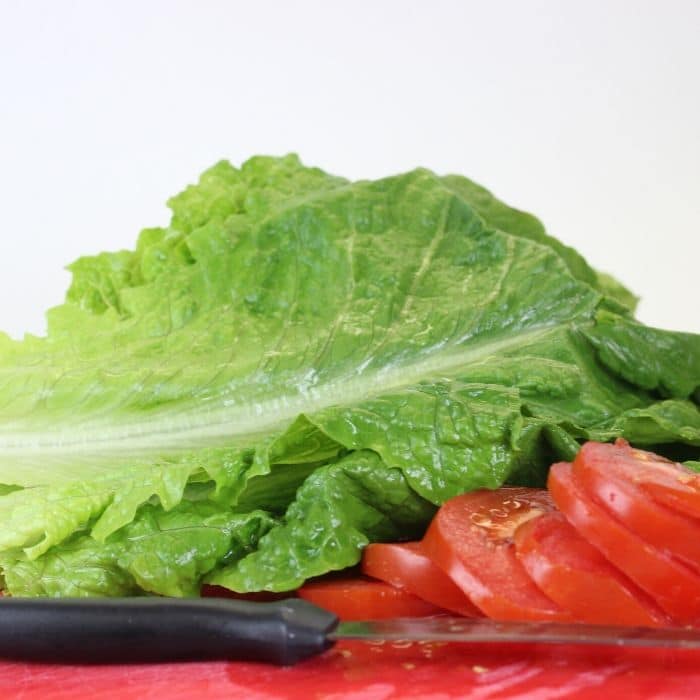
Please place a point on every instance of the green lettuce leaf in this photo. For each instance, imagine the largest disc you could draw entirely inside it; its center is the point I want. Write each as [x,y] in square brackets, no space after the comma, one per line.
[520,223]
[160,552]
[299,365]
[339,509]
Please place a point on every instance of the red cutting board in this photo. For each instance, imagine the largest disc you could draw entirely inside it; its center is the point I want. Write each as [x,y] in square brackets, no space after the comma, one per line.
[358,671]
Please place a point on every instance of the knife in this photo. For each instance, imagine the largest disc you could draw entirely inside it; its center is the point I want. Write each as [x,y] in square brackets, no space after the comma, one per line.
[141,630]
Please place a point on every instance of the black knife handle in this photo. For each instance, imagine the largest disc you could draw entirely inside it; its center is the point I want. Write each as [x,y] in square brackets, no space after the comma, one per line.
[137,630]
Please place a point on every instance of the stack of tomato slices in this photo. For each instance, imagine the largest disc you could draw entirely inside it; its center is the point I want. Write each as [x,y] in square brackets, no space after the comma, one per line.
[615,539]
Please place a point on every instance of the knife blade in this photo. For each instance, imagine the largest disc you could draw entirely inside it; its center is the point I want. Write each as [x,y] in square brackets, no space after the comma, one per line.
[443,628]
[143,630]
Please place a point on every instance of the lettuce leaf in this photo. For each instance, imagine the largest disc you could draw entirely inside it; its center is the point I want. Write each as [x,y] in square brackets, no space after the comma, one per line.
[299,365]
[162,552]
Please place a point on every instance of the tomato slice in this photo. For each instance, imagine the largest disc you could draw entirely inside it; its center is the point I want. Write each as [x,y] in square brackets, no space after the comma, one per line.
[674,586]
[611,473]
[577,576]
[666,482]
[361,598]
[407,566]
[471,539]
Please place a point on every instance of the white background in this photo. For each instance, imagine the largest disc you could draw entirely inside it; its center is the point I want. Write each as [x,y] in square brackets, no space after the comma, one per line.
[585,113]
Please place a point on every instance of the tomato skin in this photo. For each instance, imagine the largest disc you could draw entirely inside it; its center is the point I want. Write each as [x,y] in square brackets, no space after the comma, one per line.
[608,473]
[470,539]
[362,598]
[668,483]
[675,587]
[407,566]
[577,577]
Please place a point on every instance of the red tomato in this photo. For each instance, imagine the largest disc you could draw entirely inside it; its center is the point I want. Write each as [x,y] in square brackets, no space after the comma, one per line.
[406,565]
[675,587]
[361,598]
[471,539]
[577,576]
[612,473]
[666,482]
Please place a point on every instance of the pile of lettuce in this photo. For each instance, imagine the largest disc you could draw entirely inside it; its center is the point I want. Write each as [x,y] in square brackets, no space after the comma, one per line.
[299,365]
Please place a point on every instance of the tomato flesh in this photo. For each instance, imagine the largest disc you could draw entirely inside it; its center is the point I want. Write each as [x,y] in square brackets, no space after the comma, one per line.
[610,474]
[407,566]
[674,586]
[471,539]
[577,576]
[361,598]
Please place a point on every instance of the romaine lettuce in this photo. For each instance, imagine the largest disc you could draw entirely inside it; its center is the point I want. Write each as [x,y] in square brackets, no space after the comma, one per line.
[299,365]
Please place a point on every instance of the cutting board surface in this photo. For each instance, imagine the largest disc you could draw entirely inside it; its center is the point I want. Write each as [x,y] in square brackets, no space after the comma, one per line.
[401,670]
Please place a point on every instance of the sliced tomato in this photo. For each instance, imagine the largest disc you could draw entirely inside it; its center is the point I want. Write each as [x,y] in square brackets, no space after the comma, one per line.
[674,586]
[666,482]
[577,576]
[471,539]
[407,566]
[361,598]
[612,473]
